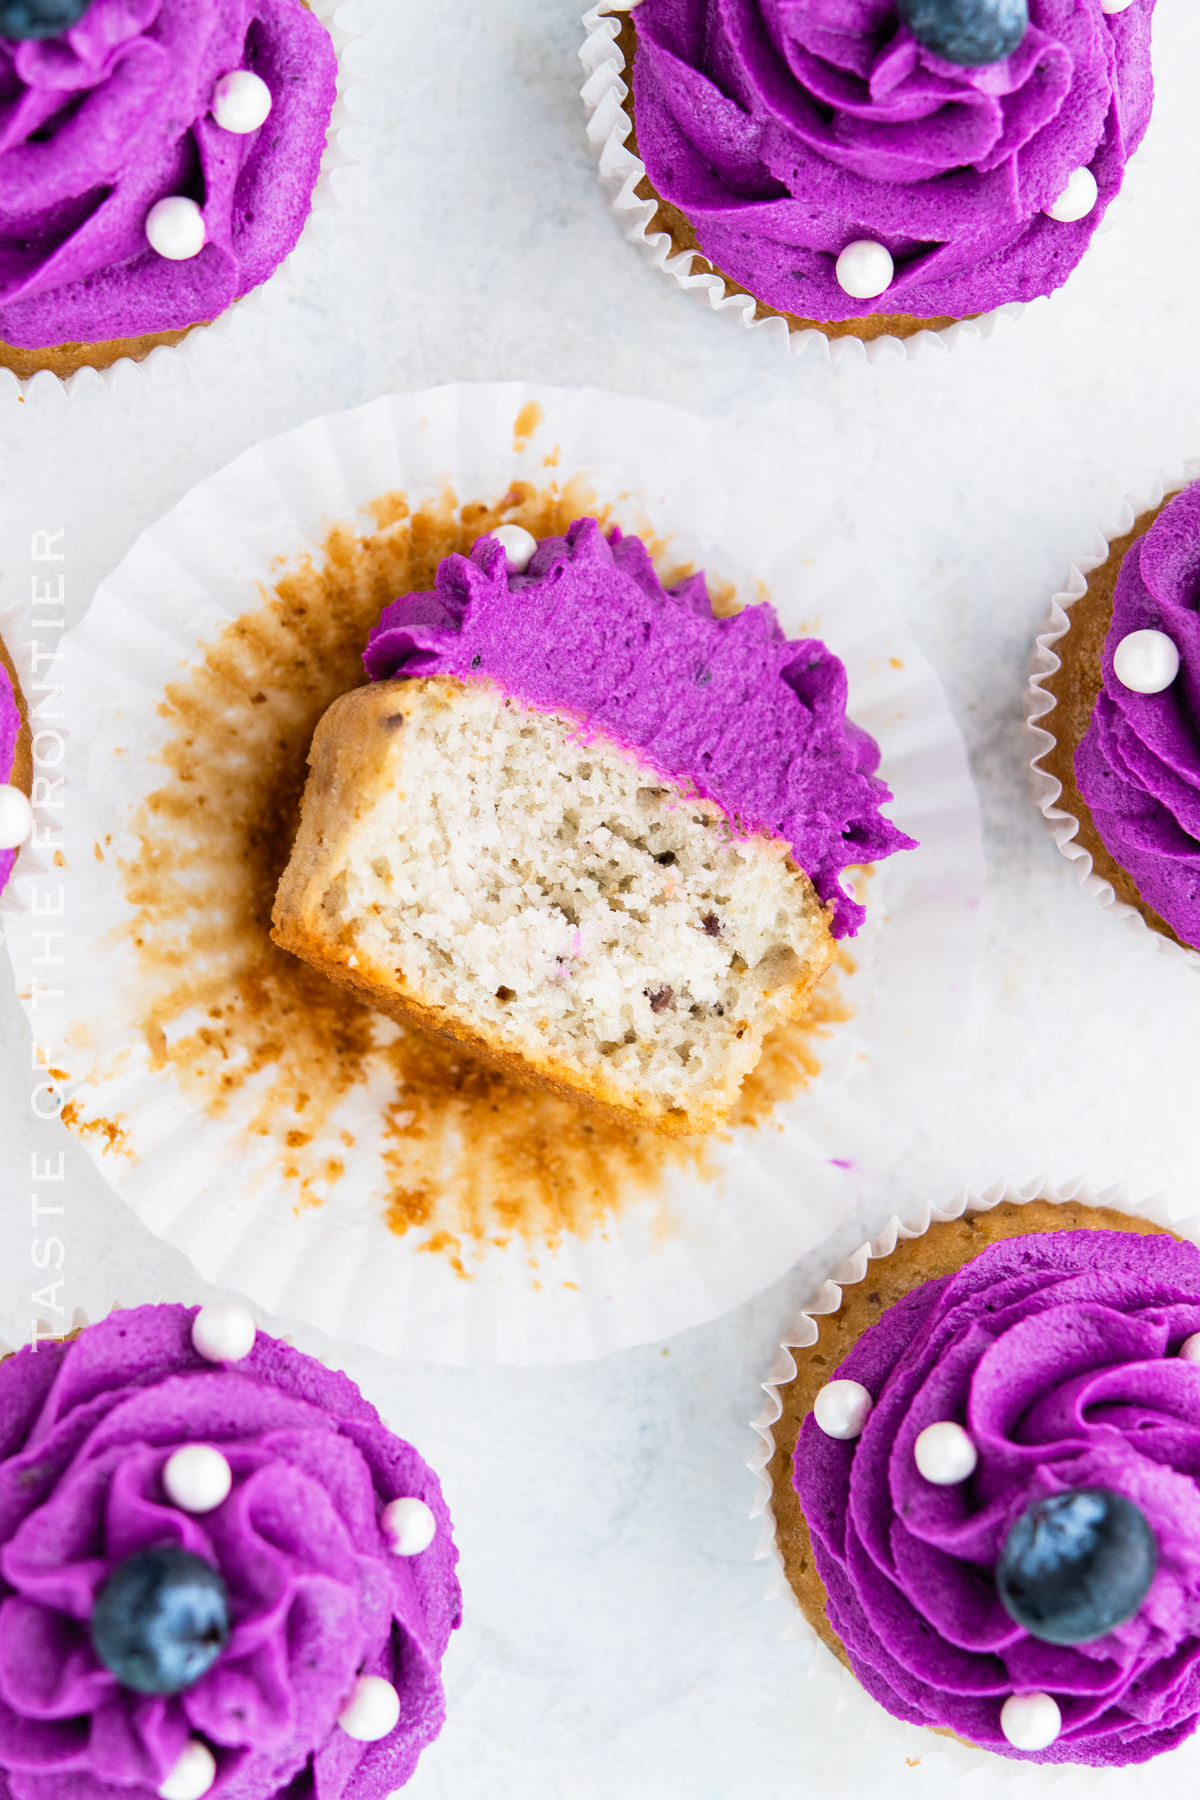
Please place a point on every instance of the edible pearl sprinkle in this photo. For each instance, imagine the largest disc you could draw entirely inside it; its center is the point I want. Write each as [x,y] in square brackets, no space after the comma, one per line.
[1030,1721]
[241,101]
[175,228]
[944,1454]
[1076,200]
[16,817]
[1114,6]
[1146,661]
[223,1332]
[192,1775]
[519,546]
[409,1526]
[842,1408]
[1190,1348]
[865,269]
[197,1478]
[372,1711]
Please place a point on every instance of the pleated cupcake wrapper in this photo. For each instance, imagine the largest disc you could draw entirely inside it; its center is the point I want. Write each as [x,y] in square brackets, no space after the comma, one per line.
[259,301]
[830,1689]
[1041,706]
[210,1187]
[620,172]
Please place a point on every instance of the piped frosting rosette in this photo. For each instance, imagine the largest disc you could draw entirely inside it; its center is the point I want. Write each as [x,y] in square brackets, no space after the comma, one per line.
[786,131]
[318,1597]
[121,115]
[1060,1355]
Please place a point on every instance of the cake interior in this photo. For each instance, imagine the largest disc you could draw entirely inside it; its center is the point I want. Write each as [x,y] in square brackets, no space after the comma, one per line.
[548,895]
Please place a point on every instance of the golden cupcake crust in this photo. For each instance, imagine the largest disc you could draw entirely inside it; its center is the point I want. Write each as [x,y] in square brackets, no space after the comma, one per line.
[22,769]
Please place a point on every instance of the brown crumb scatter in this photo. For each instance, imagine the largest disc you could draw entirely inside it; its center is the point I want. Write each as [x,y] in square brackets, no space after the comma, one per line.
[470,1155]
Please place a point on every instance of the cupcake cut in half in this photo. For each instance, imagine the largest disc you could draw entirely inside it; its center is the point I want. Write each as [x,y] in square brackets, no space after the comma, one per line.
[879,167]
[222,1573]
[585,827]
[984,1483]
[1126,718]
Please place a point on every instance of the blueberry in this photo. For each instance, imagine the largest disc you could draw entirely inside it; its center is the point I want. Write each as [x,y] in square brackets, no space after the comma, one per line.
[1076,1564]
[39,18]
[160,1620]
[971,32]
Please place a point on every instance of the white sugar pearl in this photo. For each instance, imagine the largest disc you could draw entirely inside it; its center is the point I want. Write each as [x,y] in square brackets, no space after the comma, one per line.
[241,101]
[1190,1348]
[372,1711]
[175,228]
[1114,6]
[1076,200]
[192,1775]
[944,1454]
[197,1478]
[409,1526]
[519,546]
[865,269]
[16,817]
[1146,661]
[1030,1721]
[842,1408]
[223,1332]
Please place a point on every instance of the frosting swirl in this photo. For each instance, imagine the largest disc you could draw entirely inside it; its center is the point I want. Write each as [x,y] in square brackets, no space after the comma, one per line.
[730,706]
[1058,1353]
[786,129]
[86,1428]
[113,115]
[1138,764]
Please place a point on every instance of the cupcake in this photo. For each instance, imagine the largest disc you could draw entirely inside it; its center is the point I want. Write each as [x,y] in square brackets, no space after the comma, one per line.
[16,767]
[585,826]
[882,167]
[221,1572]
[1124,687]
[157,162]
[984,1483]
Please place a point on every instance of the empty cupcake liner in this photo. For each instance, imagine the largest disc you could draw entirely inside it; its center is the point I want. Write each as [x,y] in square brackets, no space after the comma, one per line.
[620,172]
[1040,708]
[259,299]
[835,1703]
[204,1175]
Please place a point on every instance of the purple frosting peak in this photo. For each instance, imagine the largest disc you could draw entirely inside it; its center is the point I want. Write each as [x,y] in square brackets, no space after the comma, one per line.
[316,1596]
[786,129]
[1138,765]
[99,123]
[749,719]
[1058,1353]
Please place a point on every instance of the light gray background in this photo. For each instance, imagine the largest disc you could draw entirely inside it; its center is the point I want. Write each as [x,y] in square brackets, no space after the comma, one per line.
[616,1645]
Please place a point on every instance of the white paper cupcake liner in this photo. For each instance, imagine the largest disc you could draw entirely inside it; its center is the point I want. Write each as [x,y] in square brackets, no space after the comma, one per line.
[620,172]
[661,1263]
[259,299]
[1040,707]
[835,1703]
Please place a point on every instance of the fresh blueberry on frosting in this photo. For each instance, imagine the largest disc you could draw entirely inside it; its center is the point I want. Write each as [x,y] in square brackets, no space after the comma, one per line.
[1076,1565]
[161,1620]
[969,32]
[39,18]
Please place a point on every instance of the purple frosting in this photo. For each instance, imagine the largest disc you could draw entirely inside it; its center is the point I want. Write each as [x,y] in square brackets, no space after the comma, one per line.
[316,1597]
[787,129]
[99,123]
[1059,1355]
[751,720]
[10,726]
[1138,765]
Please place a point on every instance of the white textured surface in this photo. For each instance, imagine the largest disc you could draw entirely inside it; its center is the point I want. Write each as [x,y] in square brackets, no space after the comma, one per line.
[617,1647]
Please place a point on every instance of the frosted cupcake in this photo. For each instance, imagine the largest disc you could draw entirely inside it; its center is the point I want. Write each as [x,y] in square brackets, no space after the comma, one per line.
[984,1483]
[16,768]
[873,167]
[221,1572]
[585,826]
[1126,718]
[157,162]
